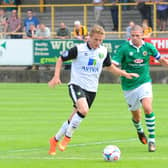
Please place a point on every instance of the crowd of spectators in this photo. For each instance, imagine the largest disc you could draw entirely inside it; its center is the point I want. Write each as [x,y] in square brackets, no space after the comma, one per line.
[11,26]
[30,26]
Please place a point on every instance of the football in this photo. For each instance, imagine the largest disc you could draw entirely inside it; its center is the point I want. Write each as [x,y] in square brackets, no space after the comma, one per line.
[111,153]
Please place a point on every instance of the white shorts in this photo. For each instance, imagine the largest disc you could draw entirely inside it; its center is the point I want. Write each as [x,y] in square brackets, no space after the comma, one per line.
[134,97]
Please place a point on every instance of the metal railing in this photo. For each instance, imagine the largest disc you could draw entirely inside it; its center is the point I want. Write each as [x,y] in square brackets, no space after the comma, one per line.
[41,7]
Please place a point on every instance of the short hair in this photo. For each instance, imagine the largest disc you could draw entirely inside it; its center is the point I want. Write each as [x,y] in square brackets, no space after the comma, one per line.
[137,28]
[97,29]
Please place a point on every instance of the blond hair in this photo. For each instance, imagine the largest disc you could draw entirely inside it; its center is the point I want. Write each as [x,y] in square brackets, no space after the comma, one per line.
[97,29]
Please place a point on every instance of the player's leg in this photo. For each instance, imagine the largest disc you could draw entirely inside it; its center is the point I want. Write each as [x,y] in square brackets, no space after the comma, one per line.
[82,100]
[145,94]
[77,118]
[136,119]
[132,98]
[150,122]
[61,132]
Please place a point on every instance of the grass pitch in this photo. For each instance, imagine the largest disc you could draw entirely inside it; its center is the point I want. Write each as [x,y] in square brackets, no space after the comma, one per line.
[31,113]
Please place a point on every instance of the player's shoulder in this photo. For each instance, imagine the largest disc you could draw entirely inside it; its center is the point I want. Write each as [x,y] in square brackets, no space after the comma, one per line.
[149,45]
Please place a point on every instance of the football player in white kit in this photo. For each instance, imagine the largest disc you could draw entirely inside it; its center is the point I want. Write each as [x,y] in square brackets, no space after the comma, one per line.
[88,59]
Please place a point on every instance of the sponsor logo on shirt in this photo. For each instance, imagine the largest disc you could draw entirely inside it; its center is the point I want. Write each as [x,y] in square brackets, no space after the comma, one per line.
[92,61]
[138,61]
[91,66]
[90,69]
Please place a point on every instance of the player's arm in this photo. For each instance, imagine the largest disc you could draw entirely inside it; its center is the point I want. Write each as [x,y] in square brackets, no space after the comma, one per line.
[56,78]
[115,70]
[67,55]
[163,61]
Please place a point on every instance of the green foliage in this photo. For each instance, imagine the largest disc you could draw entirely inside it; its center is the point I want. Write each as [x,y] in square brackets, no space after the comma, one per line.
[31,113]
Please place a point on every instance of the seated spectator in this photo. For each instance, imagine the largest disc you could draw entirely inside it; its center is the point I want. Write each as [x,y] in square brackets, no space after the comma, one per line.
[3,24]
[147,30]
[63,32]
[14,25]
[128,30]
[31,33]
[80,31]
[9,2]
[42,32]
[30,20]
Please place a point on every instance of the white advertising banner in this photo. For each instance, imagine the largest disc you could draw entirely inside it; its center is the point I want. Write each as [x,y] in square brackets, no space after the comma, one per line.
[16,51]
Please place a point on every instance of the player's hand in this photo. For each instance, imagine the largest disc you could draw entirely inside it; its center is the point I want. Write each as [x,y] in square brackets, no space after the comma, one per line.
[53,82]
[131,75]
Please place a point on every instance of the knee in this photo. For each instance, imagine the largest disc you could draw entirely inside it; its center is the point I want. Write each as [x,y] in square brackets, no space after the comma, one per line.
[137,119]
[84,110]
[147,110]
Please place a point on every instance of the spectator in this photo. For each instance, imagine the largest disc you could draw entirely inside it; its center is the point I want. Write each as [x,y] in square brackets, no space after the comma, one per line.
[80,31]
[3,24]
[147,30]
[42,32]
[14,25]
[128,30]
[98,8]
[30,20]
[145,11]
[9,2]
[31,33]
[114,14]
[162,15]
[63,32]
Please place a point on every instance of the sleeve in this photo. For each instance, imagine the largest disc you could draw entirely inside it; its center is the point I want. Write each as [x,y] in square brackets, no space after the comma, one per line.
[117,57]
[70,54]
[107,61]
[154,52]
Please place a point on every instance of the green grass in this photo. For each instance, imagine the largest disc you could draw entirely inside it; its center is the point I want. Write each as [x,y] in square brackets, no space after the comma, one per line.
[31,113]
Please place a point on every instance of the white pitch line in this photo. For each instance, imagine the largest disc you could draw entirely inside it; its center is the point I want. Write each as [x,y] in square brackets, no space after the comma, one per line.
[72,145]
[78,158]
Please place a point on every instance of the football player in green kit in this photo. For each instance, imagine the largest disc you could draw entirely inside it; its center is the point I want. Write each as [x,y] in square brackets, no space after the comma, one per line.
[134,56]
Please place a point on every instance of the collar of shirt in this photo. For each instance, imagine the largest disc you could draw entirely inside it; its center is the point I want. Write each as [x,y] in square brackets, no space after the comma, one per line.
[143,43]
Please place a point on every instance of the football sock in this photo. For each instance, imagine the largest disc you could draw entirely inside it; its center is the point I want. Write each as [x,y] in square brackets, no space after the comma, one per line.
[62,130]
[74,124]
[150,123]
[137,125]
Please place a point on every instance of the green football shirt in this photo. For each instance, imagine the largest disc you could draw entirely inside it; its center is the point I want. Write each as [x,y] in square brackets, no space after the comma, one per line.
[135,60]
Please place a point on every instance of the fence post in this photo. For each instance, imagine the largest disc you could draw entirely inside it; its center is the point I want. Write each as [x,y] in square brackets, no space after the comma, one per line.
[41,6]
